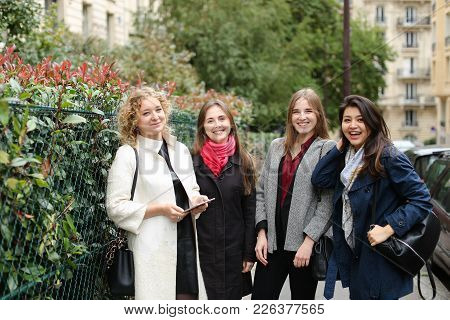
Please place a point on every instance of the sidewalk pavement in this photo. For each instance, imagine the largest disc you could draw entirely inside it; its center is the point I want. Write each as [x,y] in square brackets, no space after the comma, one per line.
[342,294]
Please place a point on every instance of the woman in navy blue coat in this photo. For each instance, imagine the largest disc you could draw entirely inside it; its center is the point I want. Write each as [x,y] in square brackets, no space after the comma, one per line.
[362,159]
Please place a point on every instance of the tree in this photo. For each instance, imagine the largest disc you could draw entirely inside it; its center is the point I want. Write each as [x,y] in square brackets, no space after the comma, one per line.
[18,18]
[151,57]
[266,50]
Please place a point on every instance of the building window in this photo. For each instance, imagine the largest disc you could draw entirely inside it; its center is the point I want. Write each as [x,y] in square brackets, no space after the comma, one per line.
[87,19]
[379,15]
[411,118]
[411,39]
[411,91]
[110,29]
[411,65]
[411,15]
[381,91]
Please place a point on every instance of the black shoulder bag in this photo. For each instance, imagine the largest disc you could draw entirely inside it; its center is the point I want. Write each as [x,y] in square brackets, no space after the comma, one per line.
[322,248]
[119,259]
[411,251]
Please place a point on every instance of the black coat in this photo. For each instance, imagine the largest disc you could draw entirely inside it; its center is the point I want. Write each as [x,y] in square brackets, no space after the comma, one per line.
[226,230]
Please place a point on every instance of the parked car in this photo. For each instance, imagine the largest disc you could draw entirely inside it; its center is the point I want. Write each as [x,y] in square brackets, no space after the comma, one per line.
[438,182]
[403,145]
[423,157]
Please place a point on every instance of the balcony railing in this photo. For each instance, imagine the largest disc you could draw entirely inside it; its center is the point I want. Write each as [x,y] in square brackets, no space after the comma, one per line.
[418,100]
[413,74]
[410,124]
[417,22]
[410,45]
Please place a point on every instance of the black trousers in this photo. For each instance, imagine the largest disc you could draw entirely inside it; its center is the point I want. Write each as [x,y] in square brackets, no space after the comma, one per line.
[269,279]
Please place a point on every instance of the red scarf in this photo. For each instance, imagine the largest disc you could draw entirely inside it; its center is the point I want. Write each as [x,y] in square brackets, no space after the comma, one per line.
[216,155]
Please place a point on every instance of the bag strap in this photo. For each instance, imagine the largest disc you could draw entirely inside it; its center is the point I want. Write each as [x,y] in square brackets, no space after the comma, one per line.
[433,284]
[133,187]
[319,192]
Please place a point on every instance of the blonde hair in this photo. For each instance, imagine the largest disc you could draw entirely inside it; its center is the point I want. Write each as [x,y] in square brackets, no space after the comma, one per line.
[313,100]
[129,113]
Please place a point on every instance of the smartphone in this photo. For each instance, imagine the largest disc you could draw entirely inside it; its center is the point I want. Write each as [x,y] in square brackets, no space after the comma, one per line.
[198,205]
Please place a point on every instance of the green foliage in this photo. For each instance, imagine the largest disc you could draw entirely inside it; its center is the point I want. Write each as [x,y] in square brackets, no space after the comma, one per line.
[266,50]
[241,109]
[430,141]
[151,57]
[53,164]
[18,18]
[54,39]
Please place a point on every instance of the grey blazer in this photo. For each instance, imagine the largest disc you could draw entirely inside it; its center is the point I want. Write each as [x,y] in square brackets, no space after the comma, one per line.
[306,214]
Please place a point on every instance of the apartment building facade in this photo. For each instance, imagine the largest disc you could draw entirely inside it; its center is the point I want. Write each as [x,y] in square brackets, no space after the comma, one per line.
[407,102]
[440,71]
[111,20]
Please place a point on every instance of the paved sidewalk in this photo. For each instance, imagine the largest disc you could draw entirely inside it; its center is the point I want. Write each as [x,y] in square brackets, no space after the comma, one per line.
[342,294]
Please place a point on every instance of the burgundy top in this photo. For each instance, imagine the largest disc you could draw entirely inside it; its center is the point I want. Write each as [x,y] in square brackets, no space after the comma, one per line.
[290,166]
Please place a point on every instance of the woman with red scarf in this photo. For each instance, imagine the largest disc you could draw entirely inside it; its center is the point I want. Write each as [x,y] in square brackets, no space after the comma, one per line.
[226,230]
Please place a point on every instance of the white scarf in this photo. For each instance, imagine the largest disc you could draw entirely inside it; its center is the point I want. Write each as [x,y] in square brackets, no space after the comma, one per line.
[353,163]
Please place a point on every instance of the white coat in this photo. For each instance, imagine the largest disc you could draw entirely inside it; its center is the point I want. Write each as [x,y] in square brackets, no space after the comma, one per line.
[154,240]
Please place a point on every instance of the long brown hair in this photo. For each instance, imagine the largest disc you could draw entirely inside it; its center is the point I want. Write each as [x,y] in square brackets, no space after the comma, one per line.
[379,133]
[248,171]
[314,101]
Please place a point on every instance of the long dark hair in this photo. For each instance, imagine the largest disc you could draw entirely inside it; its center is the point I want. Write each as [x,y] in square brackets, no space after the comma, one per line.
[248,171]
[314,102]
[378,138]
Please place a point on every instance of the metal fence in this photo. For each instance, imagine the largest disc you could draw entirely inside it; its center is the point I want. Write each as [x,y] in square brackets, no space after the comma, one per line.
[52,214]
[53,222]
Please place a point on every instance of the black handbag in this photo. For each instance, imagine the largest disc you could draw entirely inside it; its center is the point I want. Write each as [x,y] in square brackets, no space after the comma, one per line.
[322,249]
[411,251]
[320,256]
[119,259]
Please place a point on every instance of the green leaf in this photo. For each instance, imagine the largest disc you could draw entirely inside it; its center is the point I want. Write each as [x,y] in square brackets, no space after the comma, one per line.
[33,160]
[11,183]
[18,162]
[53,256]
[15,86]
[74,119]
[4,112]
[6,232]
[42,183]
[66,104]
[98,111]
[37,175]
[12,282]
[70,222]
[31,125]
[24,95]
[4,157]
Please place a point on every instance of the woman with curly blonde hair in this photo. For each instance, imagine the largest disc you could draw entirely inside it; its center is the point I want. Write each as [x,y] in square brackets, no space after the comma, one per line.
[161,233]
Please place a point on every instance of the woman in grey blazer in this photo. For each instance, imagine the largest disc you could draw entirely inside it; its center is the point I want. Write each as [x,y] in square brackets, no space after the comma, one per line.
[289,217]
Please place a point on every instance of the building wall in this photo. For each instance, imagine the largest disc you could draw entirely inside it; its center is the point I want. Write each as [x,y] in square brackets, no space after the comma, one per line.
[440,73]
[407,101]
[111,20]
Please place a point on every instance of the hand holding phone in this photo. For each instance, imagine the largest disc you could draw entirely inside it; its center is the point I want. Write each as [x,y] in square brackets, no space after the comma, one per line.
[199,205]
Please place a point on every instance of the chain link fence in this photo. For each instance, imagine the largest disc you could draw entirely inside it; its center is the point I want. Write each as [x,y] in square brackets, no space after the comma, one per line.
[54,226]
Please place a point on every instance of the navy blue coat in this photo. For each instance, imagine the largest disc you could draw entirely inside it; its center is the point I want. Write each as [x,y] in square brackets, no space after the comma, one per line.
[403,199]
